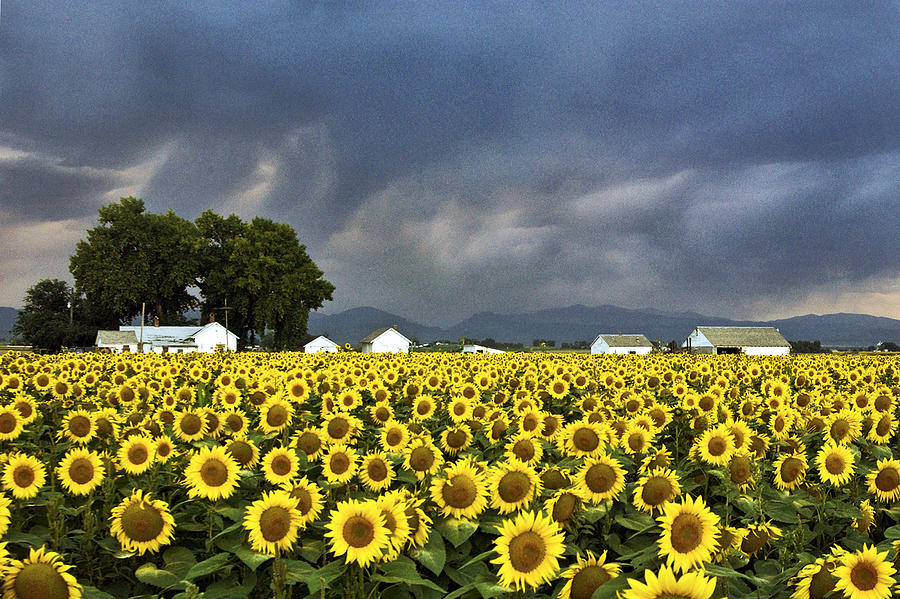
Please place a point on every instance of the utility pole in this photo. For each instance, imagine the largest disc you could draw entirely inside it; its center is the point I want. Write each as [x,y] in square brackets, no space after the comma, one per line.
[141,341]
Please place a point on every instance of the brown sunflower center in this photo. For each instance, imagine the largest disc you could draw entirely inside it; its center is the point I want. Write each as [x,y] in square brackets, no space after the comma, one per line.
[553,479]
[864,575]
[141,522]
[497,429]
[884,426]
[717,446]
[80,426]
[281,464]
[276,416]
[565,507]
[274,523]
[460,492]
[839,429]
[393,437]
[304,499]
[706,403]
[338,428]
[585,439]
[459,408]
[687,533]
[821,584]
[7,423]
[377,470]
[241,451]
[423,407]
[214,473]
[834,463]
[656,491]
[138,454]
[358,531]
[389,521]
[456,439]
[23,476]
[587,580]
[527,551]
[234,422]
[191,424]
[600,478]
[887,479]
[81,471]
[523,449]
[636,441]
[514,487]
[382,414]
[40,581]
[421,459]
[791,469]
[309,442]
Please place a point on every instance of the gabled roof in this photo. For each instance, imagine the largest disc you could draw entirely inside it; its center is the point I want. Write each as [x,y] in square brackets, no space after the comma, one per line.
[624,340]
[310,338]
[116,338]
[744,336]
[375,334]
[180,335]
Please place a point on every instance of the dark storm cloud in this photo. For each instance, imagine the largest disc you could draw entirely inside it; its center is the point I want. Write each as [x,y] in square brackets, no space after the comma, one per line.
[542,154]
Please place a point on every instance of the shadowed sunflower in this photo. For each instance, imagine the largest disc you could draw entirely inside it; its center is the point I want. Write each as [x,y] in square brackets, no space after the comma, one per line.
[275,415]
[563,505]
[211,473]
[340,428]
[41,575]
[80,471]
[394,437]
[376,472]
[11,423]
[691,585]
[815,580]
[23,476]
[655,489]
[5,515]
[526,449]
[790,471]
[512,486]
[309,499]
[273,522]
[309,441]
[244,451]
[136,454]
[461,492]
[884,481]
[867,519]
[836,464]
[844,426]
[689,534]
[280,465]
[419,522]
[865,574]
[587,575]
[601,478]
[528,548]
[757,537]
[455,439]
[165,448]
[141,524]
[357,531]
[393,510]
[883,428]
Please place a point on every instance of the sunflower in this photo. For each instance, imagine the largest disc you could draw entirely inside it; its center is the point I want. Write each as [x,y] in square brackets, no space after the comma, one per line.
[423,408]
[309,499]
[244,451]
[790,471]
[339,464]
[309,441]
[636,439]
[600,478]
[459,409]
[340,428]
[165,448]
[77,426]
[394,436]
[689,533]
[526,449]
[376,472]
[136,454]
[26,407]
[691,585]
[422,458]
[381,412]
[190,425]
[357,531]
[23,476]
[42,574]
[815,580]
[461,492]
[419,522]
[844,426]
[5,515]
[582,439]
[393,510]
[80,471]
[11,424]
[211,473]
[716,446]
[142,524]
[865,574]
[512,486]
[867,518]
[280,465]
[563,505]
[528,548]
[273,522]
[836,464]
[757,537]
[883,428]
[655,489]
[587,575]
[275,415]
[884,481]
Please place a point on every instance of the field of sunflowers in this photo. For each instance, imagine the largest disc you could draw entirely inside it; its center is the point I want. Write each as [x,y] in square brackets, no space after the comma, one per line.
[448,475]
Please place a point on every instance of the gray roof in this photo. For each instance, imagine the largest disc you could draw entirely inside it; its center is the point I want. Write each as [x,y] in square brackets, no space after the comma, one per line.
[116,338]
[744,336]
[624,340]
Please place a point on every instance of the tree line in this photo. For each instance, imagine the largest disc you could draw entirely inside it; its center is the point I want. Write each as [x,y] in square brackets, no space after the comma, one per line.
[257,271]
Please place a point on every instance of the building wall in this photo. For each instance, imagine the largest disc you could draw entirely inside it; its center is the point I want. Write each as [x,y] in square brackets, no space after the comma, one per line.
[315,347]
[767,351]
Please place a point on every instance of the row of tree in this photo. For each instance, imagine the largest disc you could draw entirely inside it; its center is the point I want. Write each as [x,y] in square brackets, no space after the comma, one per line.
[258,271]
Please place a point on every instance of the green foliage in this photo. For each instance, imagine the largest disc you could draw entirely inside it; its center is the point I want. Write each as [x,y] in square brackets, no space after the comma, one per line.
[52,317]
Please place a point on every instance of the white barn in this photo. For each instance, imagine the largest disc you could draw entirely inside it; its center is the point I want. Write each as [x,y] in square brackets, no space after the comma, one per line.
[319,344]
[474,348]
[117,341]
[386,340]
[205,339]
[752,341]
[621,344]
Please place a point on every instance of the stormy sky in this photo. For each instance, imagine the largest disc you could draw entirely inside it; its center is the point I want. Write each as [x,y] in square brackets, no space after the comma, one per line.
[443,158]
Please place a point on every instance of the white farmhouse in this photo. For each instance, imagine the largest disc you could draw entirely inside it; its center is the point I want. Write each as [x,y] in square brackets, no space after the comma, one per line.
[621,344]
[321,343]
[753,341]
[205,339]
[386,340]
[474,348]
[117,341]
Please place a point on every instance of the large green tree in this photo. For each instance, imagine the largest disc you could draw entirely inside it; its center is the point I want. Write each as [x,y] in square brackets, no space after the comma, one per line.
[264,275]
[53,317]
[134,257]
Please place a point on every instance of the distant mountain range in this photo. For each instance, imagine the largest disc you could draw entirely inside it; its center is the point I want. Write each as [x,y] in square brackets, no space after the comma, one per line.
[584,323]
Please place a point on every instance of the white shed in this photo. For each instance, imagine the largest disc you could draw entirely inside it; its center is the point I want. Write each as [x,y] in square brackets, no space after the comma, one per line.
[621,344]
[753,341]
[386,340]
[117,341]
[321,343]
[181,339]
[473,348]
